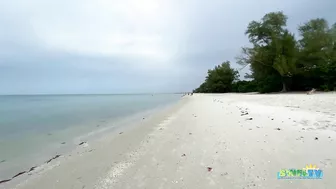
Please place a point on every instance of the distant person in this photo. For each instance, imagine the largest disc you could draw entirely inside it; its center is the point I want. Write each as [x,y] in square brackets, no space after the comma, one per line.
[311,92]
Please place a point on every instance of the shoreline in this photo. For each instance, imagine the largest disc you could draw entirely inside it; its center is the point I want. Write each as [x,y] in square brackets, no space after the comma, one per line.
[106,127]
[206,141]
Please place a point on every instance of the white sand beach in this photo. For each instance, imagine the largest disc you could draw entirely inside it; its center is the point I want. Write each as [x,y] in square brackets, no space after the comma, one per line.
[205,141]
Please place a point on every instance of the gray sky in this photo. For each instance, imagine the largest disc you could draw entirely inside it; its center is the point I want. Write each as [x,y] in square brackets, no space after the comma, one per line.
[128,46]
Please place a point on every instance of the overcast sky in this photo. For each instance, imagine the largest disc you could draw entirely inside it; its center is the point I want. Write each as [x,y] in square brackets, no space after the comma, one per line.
[128,46]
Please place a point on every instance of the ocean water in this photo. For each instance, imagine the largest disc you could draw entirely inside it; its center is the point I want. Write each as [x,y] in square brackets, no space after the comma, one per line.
[35,127]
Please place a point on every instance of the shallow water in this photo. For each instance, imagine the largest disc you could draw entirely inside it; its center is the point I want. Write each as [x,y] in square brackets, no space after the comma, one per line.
[35,127]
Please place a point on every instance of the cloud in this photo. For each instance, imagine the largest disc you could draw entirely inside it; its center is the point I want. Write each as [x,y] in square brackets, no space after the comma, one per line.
[109,46]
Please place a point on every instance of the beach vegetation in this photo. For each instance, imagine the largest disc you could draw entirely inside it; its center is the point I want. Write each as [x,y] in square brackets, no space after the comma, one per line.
[280,61]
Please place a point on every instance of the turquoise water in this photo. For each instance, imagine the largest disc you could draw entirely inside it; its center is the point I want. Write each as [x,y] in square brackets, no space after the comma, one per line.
[34,127]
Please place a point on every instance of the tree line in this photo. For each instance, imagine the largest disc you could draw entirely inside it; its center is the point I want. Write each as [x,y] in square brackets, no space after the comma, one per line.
[280,61]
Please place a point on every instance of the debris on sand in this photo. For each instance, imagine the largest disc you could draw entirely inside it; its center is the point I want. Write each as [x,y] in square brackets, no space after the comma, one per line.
[293,106]
[209,169]
[316,138]
[301,137]
[183,155]
[250,118]
[32,169]
[55,157]
[226,173]
[121,133]
[244,113]
[23,172]
[84,144]
[278,129]
[18,174]
[3,181]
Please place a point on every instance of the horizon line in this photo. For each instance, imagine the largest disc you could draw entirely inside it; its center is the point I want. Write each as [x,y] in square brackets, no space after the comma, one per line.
[91,94]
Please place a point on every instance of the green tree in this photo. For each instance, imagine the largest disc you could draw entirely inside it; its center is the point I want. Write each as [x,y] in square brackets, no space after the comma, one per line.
[274,50]
[280,62]
[317,53]
[244,86]
[219,79]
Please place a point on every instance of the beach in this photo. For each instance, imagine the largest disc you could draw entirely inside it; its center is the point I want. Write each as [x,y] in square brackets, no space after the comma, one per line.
[204,141]
[34,128]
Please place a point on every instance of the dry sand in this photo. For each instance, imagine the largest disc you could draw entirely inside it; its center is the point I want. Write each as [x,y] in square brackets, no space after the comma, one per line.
[206,141]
